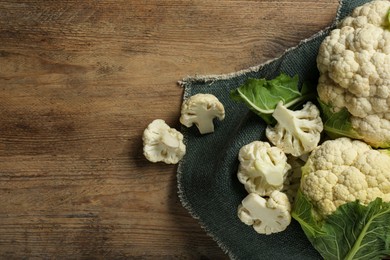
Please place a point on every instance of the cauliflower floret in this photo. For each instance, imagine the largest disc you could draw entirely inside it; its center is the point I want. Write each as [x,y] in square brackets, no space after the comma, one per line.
[345,170]
[267,216]
[162,143]
[354,65]
[297,132]
[262,168]
[201,109]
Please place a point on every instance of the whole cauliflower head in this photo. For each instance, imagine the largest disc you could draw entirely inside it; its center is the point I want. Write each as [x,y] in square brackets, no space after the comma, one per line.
[262,168]
[344,170]
[354,65]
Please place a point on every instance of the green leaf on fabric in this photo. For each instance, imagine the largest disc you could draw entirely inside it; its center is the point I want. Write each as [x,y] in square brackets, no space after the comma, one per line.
[337,124]
[262,95]
[353,231]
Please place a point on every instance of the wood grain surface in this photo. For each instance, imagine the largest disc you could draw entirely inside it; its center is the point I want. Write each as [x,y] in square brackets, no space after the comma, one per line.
[80,81]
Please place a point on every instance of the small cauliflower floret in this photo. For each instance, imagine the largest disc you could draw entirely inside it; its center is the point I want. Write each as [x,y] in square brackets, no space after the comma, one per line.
[354,65]
[162,143]
[262,168]
[345,170]
[267,216]
[296,132]
[201,109]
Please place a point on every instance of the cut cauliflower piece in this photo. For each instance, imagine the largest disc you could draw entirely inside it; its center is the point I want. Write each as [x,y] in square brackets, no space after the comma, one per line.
[296,132]
[267,216]
[162,143]
[201,109]
[354,65]
[262,168]
[344,170]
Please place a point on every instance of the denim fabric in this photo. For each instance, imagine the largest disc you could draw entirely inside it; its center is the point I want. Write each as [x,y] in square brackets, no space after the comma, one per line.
[207,180]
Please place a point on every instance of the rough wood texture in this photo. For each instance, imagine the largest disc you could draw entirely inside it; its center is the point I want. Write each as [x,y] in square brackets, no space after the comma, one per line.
[79,82]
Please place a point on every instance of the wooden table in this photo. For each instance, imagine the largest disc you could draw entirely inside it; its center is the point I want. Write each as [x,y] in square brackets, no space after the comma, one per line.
[80,81]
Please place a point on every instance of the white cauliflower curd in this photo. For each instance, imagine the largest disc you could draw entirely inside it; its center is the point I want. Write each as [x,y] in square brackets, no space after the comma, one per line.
[263,169]
[354,65]
[162,143]
[266,215]
[201,109]
[345,170]
[297,132]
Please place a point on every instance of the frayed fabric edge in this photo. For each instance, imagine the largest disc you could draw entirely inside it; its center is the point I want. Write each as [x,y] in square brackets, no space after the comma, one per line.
[187,205]
[184,202]
[206,78]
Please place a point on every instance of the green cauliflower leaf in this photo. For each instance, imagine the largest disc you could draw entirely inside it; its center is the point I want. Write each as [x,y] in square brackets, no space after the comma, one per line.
[353,231]
[337,124]
[262,95]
